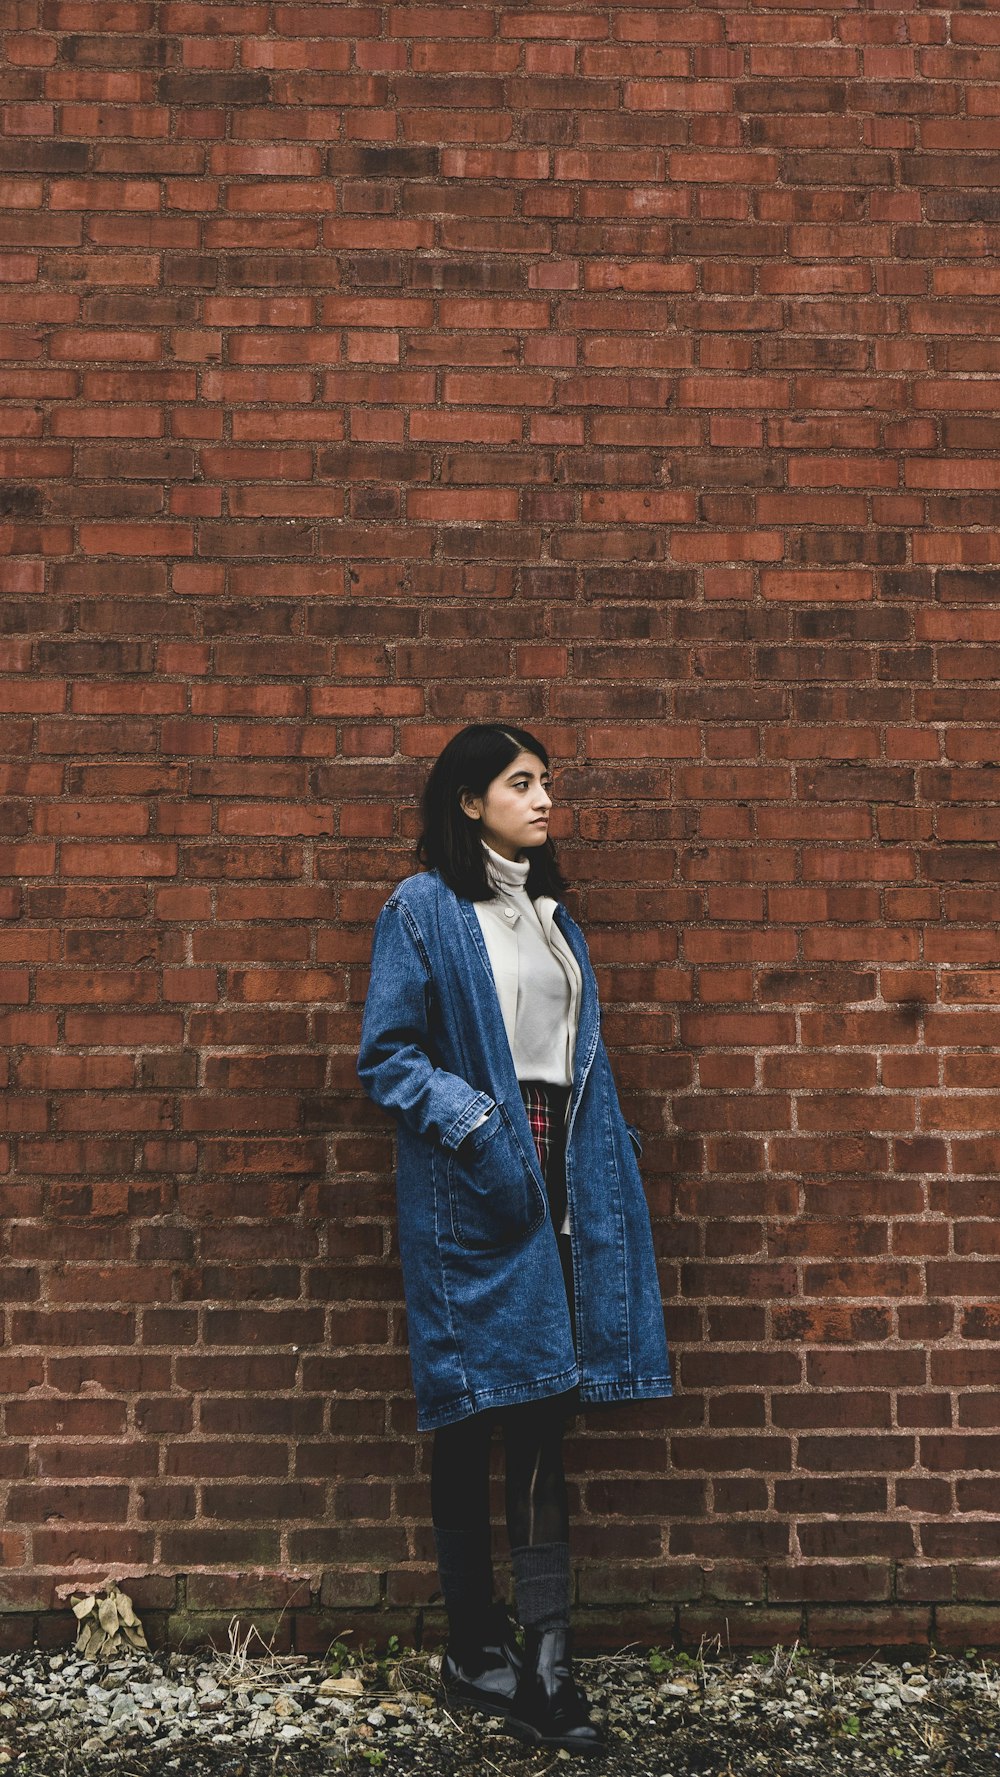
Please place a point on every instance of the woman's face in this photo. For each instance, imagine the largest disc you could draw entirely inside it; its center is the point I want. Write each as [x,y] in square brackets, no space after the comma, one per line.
[513,814]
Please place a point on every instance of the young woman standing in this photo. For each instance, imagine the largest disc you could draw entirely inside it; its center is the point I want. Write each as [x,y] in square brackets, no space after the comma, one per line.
[524,1235]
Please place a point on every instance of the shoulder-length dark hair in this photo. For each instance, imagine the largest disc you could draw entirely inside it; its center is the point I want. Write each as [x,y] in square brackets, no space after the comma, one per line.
[450,842]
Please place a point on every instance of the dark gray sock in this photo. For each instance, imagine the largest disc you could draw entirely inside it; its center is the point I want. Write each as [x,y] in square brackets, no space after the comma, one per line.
[542,1585]
[466,1570]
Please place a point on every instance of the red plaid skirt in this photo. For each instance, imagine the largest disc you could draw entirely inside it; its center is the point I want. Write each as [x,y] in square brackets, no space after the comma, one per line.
[546,1107]
[543,1122]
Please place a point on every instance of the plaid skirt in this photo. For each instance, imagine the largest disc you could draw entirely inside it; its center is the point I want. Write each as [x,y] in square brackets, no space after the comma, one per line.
[546,1107]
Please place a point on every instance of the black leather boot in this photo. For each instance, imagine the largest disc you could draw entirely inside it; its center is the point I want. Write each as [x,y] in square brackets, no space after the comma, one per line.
[482,1663]
[549,1708]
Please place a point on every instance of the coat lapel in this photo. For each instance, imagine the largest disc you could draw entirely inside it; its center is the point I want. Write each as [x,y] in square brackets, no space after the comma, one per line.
[589,1028]
[562,948]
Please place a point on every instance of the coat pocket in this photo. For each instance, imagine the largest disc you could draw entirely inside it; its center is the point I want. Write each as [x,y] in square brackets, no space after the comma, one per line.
[493,1195]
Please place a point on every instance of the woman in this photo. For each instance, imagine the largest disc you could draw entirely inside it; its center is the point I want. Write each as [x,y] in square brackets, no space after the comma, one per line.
[524,1235]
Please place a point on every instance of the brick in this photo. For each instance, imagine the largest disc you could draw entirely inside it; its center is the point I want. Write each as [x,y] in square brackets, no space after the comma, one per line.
[961,1626]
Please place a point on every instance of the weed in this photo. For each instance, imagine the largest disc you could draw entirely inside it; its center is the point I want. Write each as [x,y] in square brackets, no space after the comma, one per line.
[251,1656]
[784,1663]
[339,1656]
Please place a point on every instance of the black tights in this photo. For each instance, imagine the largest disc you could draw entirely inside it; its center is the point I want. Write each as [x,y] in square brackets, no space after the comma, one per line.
[535,1491]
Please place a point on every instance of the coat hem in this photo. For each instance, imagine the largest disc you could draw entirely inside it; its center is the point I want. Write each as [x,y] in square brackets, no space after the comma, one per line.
[590,1394]
[483,1400]
[637,1388]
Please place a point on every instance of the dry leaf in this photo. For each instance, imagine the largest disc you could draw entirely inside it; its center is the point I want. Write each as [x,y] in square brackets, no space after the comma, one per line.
[108,1623]
[91,1639]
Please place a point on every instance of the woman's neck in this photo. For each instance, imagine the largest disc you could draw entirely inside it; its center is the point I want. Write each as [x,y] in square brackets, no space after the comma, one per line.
[508,872]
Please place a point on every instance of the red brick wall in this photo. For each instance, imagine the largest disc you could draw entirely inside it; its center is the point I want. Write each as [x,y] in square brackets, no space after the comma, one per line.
[630,371]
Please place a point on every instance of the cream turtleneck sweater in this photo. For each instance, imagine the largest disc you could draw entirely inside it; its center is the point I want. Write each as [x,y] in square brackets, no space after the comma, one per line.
[537,975]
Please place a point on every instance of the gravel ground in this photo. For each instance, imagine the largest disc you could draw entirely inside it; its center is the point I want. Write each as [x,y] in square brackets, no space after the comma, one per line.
[759,1715]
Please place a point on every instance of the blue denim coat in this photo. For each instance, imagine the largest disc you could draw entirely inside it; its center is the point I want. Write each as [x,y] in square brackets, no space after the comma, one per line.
[486,1305]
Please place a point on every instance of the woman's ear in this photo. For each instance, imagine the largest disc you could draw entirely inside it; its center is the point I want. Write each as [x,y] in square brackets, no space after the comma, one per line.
[470,805]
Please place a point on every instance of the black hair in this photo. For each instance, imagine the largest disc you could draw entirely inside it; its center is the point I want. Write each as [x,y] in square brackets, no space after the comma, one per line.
[450,842]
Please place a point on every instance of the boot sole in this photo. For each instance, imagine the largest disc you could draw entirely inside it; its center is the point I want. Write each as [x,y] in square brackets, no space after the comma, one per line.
[481,1705]
[522,1730]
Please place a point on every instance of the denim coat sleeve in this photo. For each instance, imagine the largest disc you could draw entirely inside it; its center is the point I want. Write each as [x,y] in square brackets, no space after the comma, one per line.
[396,1062]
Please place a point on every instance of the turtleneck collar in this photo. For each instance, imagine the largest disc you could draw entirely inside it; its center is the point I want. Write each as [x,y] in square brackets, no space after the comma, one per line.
[507,873]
